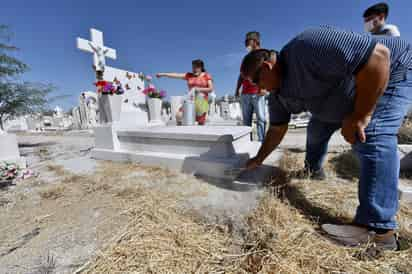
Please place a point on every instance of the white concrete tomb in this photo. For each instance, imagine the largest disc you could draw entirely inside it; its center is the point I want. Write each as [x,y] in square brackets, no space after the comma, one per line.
[200,150]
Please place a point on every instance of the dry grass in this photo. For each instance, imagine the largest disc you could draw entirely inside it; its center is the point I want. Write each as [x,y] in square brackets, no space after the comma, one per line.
[282,235]
[57,169]
[161,239]
[53,192]
[405,132]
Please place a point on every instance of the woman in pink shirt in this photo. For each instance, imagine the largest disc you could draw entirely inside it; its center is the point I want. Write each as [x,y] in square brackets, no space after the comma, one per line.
[200,82]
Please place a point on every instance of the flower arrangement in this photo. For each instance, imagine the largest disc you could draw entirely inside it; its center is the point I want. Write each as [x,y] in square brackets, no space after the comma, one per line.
[106,87]
[11,171]
[151,92]
[8,171]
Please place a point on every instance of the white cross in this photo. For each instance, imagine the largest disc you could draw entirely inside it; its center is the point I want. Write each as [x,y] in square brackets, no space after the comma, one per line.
[98,49]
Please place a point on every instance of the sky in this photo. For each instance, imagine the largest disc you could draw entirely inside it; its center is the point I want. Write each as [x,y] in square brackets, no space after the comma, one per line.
[165,36]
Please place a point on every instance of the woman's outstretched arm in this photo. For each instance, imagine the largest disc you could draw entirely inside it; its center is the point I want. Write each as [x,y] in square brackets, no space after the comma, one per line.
[181,76]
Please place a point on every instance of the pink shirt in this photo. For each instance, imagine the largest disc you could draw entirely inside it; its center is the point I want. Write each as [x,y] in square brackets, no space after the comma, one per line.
[201,81]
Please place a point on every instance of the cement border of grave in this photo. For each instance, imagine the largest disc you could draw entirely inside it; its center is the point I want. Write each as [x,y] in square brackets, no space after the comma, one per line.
[405,155]
[10,150]
[201,151]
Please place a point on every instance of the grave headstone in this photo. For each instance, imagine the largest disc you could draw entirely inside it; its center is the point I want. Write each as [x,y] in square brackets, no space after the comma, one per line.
[77,123]
[99,50]
[9,151]
[132,111]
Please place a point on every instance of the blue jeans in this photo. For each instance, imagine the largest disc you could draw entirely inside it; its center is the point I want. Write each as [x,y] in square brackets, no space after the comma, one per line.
[254,103]
[379,160]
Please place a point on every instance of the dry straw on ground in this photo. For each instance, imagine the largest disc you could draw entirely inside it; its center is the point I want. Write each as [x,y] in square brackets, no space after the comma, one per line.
[282,234]
[405,132]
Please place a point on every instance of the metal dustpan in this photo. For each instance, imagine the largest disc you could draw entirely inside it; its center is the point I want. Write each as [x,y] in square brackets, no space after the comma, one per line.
[234,172]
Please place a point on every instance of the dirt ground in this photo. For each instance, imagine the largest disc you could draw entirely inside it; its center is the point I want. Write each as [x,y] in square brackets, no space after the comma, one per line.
[55,222]
[102,217]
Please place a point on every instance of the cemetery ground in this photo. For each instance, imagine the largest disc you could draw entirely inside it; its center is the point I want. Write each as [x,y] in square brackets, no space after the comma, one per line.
[86,216]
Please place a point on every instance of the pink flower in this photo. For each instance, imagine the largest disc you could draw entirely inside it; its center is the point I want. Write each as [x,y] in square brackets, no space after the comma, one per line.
[149,78]
[162,93]
[146,91]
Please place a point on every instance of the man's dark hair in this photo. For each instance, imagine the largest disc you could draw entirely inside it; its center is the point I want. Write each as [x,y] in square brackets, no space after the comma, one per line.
[199,64]
[253,61]
[377,9]
[252,35]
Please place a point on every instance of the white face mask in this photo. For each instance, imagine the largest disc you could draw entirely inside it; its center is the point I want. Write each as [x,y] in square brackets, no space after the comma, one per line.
[249,49]
[369,25]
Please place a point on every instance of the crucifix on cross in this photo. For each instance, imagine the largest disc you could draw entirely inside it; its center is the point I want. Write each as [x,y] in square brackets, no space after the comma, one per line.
[98,49]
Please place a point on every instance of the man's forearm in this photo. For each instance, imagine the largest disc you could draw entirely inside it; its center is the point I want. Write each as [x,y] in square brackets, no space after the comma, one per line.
[371,82]
[273,138]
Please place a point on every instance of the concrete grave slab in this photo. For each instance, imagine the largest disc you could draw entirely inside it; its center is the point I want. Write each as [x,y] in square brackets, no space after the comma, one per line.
[204,151]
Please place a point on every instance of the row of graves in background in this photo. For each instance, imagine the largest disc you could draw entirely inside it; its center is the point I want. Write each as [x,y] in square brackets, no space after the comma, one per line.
[48,121]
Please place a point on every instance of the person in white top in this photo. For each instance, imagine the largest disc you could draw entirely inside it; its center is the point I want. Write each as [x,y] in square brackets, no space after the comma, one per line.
[375,21]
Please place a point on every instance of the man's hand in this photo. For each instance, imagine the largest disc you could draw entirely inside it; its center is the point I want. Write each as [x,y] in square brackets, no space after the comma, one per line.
[273,138]
[371,82]
[353,128]
[253,163]
[262,92]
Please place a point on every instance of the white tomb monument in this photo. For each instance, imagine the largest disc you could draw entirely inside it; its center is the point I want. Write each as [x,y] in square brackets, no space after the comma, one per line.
[202,150]
[128,110]
[16,124]
[206,151]
[9,150]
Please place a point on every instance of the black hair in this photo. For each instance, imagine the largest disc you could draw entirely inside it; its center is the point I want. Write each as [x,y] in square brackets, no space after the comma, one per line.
[198,63]
[254,60]
[377,9]
[252,35]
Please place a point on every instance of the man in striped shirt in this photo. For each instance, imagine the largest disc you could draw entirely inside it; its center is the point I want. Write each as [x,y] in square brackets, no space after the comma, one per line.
[356,82]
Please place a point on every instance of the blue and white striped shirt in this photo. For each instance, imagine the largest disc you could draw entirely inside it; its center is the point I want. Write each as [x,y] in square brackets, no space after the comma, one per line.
[319,68]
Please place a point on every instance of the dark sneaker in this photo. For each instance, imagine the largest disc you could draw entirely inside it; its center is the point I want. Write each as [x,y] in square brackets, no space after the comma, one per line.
[318,175]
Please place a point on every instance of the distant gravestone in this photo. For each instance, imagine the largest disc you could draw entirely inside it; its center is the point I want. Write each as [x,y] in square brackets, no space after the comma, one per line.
[16,124]
[76,118]
[235,111]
